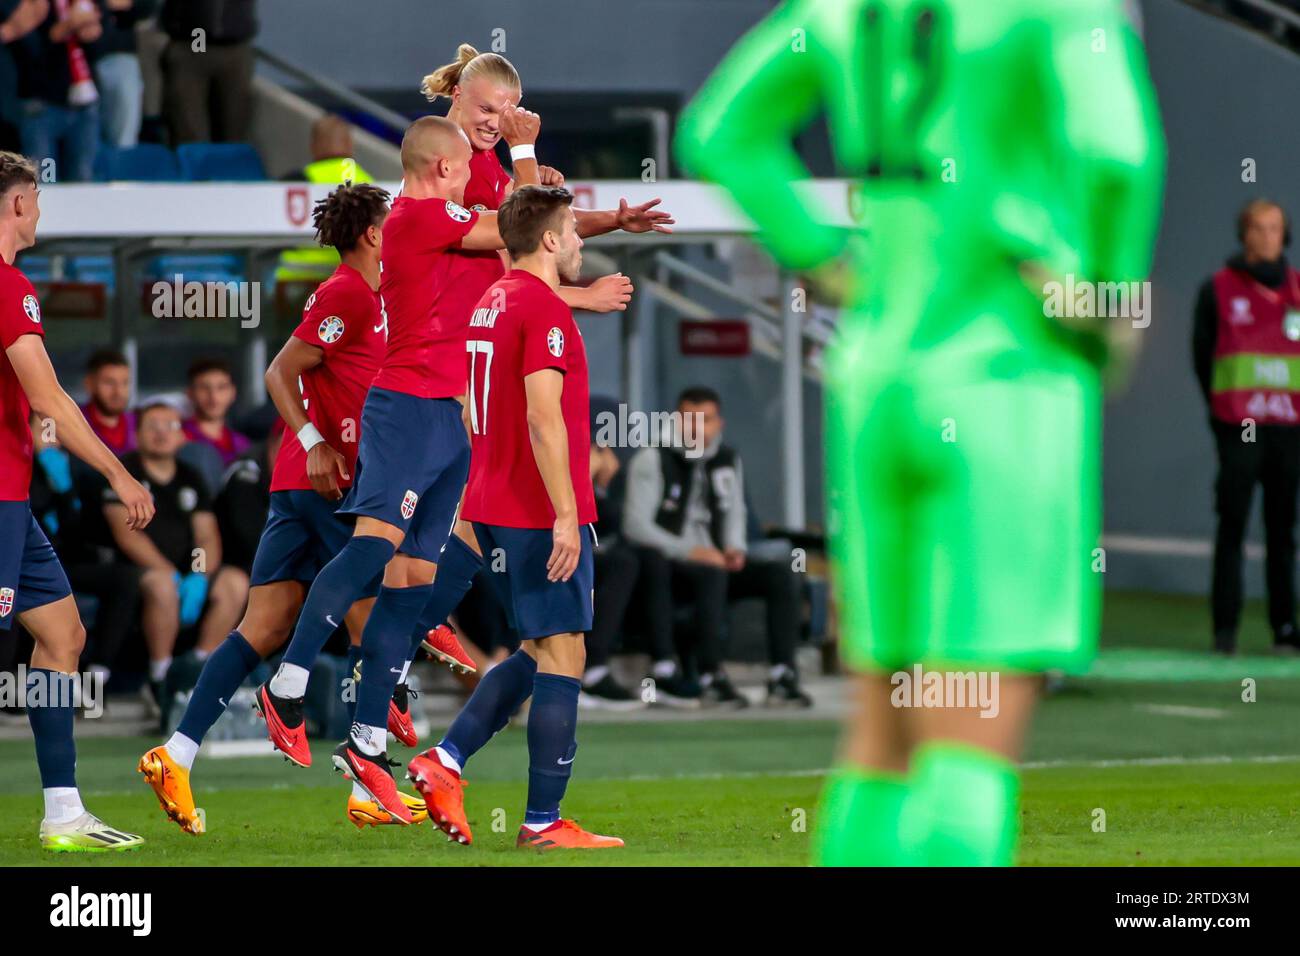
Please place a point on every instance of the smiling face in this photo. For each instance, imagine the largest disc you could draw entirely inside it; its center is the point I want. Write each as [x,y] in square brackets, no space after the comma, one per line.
[477,105]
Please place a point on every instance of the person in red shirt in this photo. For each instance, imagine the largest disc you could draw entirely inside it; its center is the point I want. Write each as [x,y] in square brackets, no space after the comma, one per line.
[318,382]
[212,392]
[485,91]
[529,495]
[108,387]
[33,587]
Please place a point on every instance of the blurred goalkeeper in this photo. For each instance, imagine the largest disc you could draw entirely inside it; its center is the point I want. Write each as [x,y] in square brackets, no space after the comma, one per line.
[1001,148]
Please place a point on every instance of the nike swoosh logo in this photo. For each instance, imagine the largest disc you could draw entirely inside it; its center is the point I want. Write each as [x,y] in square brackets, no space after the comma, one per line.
[394,670]
[379,327]
[330,621]
[565,762]
[222,702]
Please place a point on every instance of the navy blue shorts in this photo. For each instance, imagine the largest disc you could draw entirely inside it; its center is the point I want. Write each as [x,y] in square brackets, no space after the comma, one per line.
[303,533]
[411,468]
[30,573]
[536,607]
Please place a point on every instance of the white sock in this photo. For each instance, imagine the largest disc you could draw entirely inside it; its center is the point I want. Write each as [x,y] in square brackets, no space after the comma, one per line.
[290,681]
[62,804]
[359,793]
[664,669]
[369,740]
[539,827]
[181,749]
[595,675]
[448,761]
[405,667]
[158,668]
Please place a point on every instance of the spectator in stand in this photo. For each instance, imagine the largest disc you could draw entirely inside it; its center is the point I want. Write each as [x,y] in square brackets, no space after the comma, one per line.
[211,393]
[115,586]
[56,90]
[689,518]
[17,19]
[107,408]
[117,71]
[616,568]
[208,69]
[184,582]
[245,499]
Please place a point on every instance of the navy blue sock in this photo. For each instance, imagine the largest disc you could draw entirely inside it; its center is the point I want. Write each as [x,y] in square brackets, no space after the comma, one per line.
[349,683]
[500,693]
[457,566]
[383,649]
[339,584]
[50,712]
[552,744]
[223,672]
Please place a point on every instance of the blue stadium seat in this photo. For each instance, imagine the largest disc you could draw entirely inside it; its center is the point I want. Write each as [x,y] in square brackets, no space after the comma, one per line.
[220,162]
[148,162]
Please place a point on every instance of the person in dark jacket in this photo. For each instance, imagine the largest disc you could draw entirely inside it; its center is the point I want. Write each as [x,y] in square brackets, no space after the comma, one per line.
[245,499]
[58,98]
[1245,346]
[208,66]
[17,19]
[57,506]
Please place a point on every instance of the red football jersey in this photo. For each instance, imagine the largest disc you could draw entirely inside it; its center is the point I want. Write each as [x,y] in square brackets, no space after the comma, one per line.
[341,318]
[413,286]
[534,331]
[20,314]
[476,269]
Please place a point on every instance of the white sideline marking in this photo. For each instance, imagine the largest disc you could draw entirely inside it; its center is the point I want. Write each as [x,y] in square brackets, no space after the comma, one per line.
[221,749]
[1031,765]
[1178,710]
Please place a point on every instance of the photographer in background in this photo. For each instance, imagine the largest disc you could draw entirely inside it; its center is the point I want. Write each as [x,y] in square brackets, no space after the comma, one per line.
[1246,328]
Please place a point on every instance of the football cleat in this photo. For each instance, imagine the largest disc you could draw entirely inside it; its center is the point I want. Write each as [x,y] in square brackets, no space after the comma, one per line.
[444,794]
[171,785]
[366,813]
[400,724]
[565,835]
[375,777]
[284,724]
[442,645]
[86,834]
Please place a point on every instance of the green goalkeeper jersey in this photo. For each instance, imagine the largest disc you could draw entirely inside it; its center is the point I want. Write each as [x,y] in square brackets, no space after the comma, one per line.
[984,133]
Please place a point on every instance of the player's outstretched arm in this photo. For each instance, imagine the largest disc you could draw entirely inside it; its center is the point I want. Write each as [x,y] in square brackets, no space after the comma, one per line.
[484,234]
[609,293]
[32,365]
[739,129]
[325,465]
[642,218]
[550,440]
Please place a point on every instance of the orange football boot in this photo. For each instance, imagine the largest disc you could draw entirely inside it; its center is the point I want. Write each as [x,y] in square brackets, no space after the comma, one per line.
[565,835]
[171,784]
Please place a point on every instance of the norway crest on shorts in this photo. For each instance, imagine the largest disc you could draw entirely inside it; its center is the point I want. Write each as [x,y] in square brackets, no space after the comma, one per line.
[6,601]
[32,308]
[409,501]
[555,342]
[330,329]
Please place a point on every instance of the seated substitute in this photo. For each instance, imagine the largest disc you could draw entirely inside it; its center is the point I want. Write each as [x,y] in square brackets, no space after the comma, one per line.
[688,516]
[184,582]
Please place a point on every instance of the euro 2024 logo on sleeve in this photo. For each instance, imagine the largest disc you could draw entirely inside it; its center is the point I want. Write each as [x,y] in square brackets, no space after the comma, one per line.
[555,342]
[458,212]
[32,308]
[330,329]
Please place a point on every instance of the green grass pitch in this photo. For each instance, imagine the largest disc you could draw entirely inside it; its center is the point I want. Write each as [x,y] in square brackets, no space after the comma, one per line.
[1160,740]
